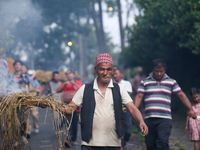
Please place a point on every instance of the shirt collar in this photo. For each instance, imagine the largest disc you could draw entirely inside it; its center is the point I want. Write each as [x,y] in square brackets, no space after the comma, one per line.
[95,86]
[121,81]
[165,76]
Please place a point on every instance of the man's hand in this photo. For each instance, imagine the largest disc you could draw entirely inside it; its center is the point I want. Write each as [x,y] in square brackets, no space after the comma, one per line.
[67,82]
[39,89]
[41,104]
[72,82]
[143,128]
[192,114]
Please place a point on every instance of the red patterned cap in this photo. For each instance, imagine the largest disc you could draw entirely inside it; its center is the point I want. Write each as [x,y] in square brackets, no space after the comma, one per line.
[103,58]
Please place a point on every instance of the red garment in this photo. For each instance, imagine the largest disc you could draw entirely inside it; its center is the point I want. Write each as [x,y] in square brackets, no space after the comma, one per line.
[17,78]
[69,87]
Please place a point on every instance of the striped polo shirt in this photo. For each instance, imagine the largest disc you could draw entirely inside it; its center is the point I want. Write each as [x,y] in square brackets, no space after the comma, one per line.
[157,96]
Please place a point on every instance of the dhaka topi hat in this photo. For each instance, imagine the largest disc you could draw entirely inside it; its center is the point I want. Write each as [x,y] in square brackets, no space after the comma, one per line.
[103,58]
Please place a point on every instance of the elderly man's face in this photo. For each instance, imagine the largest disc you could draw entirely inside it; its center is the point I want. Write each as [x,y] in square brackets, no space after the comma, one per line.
[104,72]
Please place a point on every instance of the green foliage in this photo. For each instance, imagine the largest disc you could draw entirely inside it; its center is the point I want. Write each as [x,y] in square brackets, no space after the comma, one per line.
[138,132]
[167,30]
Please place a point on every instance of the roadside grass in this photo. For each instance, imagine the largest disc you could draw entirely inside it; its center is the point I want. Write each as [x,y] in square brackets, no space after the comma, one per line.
[138,132]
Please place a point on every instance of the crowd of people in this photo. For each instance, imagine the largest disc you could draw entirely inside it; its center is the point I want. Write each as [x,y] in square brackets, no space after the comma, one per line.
[105,108]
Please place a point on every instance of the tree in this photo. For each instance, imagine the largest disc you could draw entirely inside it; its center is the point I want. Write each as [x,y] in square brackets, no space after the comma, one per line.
[167,30]
[42,30]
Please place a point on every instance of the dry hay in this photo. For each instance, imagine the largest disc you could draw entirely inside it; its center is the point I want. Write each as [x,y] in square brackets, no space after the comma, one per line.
[63,76]
[78,77]
[40,75]
[48,76]
[15,104]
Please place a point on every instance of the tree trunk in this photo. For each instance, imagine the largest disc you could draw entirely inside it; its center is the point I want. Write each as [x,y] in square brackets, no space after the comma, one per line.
[120,24]
[98,23]
[85,47]
[80,44]
[102,35]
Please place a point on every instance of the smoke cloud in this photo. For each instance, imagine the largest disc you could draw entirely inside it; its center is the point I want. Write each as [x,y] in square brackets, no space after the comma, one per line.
[7,83]
[12,11]
[23,20]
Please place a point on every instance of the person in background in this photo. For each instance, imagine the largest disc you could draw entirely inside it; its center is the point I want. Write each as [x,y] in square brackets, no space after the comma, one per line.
[34,88]
[102,123]
[135,84]
[138,78]
[69,89]
[3,77]
[194,124]
[127,116]
[23,83]
[156,90]
[53,85]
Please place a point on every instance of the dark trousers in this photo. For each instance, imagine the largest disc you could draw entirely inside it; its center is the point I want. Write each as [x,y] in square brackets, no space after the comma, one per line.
[128,125]
[159,132]
[84,147]
[23,129]
[74,126]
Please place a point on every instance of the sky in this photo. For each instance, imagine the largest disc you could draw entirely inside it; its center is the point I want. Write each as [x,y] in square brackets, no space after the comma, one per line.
[111,24]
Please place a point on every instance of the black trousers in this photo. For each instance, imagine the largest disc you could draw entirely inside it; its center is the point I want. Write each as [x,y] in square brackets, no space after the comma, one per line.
[23,129]
[84,147]
[159,132]
[128,125]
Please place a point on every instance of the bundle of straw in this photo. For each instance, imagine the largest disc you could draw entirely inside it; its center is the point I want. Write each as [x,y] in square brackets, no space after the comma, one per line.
[10,121]
[40,75]
[48,76]
[63,76]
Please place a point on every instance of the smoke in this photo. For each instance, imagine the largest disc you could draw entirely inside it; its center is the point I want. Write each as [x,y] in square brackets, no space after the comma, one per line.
[12,12]
[23,20]
[7,83]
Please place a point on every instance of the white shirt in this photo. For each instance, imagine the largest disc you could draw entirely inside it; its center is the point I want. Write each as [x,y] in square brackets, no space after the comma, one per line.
[198,118]
[126,85]
[104,130]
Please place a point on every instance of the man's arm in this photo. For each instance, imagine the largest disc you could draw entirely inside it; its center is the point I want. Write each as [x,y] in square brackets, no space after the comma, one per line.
[138,99]
[74,83]
[186,102]
[70,108]
[135,113]
[61,87]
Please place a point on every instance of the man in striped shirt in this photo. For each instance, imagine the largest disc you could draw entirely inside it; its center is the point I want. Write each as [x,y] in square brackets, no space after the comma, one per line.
[156,90]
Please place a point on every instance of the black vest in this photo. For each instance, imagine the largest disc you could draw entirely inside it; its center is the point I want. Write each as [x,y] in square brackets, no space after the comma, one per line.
[88,108]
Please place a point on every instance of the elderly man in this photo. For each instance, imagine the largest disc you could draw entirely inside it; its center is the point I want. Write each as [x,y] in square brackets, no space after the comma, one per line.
[102,123]
[156,90]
